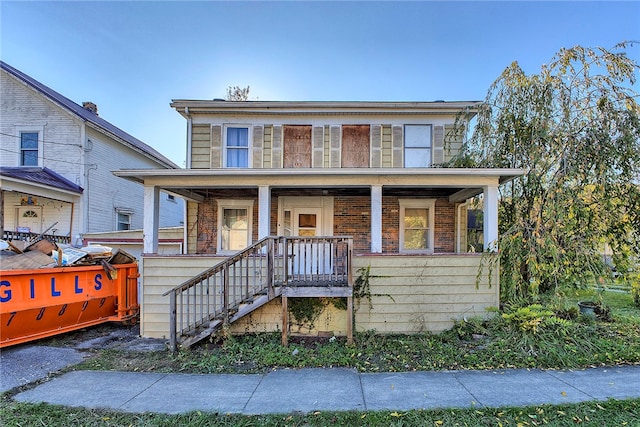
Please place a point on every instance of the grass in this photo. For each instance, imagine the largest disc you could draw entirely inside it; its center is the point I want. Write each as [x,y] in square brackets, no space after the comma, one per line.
[562,339]
[549,335]
[607,413]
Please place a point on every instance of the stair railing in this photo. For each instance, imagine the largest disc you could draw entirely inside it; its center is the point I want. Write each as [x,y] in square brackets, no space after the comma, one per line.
[212,295]
[214,292]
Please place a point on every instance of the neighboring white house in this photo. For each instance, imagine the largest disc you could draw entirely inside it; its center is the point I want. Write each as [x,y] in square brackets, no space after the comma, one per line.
[56,163]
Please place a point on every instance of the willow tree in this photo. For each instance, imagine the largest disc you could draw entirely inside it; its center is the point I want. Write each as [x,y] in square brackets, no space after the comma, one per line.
[575,129]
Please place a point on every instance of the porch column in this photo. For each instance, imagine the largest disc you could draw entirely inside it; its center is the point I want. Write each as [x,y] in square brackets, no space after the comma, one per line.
[264,211]
[376,218]
[490,221]
[151,219]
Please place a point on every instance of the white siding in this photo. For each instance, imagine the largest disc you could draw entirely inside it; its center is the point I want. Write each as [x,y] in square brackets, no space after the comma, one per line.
[82,155]
[22,110]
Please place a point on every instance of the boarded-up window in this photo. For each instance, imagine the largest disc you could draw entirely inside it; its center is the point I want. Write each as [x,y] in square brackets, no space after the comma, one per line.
[356,140]
[297,146]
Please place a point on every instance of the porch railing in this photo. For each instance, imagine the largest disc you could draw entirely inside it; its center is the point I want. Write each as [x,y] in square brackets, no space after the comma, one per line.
[215,296]
[27,236]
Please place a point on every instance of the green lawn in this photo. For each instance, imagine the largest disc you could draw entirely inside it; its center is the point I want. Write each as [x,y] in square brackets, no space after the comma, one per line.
[549,335]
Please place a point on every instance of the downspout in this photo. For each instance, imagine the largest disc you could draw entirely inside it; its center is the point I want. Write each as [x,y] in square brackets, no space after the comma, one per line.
[458,228]
[189,125]
[185,235]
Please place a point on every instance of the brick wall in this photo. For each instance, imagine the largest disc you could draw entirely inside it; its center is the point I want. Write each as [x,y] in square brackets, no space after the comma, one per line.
[352,217]
[208,217]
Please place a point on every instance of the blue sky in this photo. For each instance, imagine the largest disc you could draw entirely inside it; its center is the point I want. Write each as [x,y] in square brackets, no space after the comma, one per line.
[133,57]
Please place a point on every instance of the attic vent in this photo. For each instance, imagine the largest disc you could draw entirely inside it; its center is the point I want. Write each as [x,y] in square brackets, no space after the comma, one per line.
[91,107]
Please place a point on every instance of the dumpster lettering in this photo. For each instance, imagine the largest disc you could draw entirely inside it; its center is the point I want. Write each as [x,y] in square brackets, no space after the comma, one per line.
[54,292]
[6,293]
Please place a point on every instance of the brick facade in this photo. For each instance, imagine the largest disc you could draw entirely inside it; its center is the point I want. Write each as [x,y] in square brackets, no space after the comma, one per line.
[352,217]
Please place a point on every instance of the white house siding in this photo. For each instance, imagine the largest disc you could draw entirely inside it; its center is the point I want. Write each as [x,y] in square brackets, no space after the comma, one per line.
[105,193]
[56,212]
[82,155]
[23,109]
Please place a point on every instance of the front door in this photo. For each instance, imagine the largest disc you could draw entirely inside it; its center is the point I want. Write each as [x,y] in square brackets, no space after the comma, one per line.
[309,257]
[307,222]
[29,219]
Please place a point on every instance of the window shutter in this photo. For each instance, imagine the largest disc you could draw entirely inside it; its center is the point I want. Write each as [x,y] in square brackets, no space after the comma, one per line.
[334,154]
[376,146]
[438,145]
[318,147]
[276,144]
[397,146]
[216,146]
[258,137]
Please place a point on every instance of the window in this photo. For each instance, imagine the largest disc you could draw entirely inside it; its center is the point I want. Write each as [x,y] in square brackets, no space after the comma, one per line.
[417,146]
[29,149]
[417,217]
[236,149]
[235,219]
[124,221]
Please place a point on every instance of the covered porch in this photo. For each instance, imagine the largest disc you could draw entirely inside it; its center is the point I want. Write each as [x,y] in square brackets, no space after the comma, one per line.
[454,185]
[412,290]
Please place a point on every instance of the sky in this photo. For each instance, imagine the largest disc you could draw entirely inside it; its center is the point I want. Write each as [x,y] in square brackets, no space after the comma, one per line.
[132,58]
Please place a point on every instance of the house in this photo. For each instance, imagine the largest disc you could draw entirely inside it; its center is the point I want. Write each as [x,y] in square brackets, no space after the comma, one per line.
[55,165]
[368,171]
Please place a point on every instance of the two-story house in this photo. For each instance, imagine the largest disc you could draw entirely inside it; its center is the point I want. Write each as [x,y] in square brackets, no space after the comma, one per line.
[56,163]
[368,170]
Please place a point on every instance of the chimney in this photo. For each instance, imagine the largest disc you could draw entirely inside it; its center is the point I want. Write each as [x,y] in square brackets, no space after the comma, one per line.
[91,107]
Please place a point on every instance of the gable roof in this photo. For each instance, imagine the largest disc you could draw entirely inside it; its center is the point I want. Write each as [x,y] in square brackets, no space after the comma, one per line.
[42,176]
[89,116]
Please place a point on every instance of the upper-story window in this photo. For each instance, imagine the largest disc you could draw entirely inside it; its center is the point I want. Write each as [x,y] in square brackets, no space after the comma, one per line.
[28,148]
[236,147]
[417,146]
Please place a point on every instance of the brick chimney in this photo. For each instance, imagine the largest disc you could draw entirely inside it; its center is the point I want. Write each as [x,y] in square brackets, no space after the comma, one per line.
[91,107]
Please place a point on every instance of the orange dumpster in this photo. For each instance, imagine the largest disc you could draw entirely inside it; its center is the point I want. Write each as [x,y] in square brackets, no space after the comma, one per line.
[40,303]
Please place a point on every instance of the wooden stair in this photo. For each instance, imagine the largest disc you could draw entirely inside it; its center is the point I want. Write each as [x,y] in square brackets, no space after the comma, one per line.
[236,313]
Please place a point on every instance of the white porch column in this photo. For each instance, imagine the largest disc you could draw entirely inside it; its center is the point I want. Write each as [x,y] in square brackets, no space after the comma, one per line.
[491,218]
[376,219]
[264,211]
[151,219]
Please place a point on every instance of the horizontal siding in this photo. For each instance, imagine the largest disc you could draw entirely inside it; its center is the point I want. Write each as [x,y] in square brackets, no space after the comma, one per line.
[201,147]
[418,294]
[158,275]
[409,294]
[192,228]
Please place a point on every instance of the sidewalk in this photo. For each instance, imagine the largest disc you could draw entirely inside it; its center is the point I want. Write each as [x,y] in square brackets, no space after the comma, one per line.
[336,389]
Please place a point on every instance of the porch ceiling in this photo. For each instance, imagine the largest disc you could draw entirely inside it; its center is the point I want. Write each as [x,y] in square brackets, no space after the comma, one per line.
[459,184]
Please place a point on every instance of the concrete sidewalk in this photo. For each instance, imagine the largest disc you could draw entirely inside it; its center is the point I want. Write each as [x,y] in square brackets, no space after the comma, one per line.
[336,389]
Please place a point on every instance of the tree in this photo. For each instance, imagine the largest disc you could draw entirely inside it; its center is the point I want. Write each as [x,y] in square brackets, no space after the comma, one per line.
[236,93]
[575,130]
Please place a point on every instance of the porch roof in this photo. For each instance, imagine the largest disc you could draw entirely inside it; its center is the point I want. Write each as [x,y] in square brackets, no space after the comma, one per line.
[462,183]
